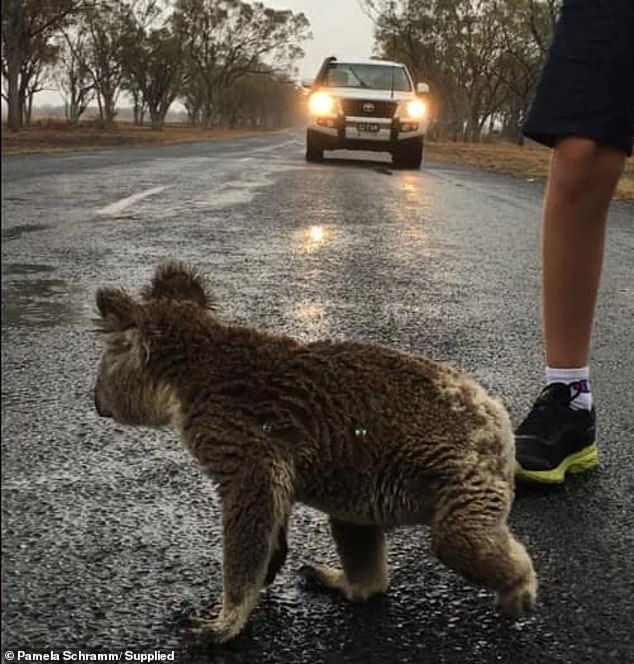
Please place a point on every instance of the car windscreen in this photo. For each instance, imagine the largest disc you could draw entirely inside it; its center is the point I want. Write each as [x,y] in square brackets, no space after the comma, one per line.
[366,76]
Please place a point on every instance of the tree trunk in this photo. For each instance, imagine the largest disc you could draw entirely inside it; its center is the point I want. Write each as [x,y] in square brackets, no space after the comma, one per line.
[157,118]
[75,111]
[207,117]
[100,104]
[472,130]
[192,114]
[109,112]
[136,110]
[13,92]
[28,108]
[72,116]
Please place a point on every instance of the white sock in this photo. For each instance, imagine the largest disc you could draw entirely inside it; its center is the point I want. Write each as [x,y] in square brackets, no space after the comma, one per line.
[578,380]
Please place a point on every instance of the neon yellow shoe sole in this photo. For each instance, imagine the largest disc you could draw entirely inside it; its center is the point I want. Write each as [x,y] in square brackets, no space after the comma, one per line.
[579,462]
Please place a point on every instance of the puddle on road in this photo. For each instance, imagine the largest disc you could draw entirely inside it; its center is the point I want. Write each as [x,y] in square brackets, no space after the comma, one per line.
[16,232]
[9,269]
[37,301]
[311,319]
[311,239]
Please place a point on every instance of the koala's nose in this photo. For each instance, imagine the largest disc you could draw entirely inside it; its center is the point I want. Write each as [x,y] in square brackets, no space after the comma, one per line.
[101,411]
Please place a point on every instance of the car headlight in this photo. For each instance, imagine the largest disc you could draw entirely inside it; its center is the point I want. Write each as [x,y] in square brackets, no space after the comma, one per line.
[321,103]
[415,109]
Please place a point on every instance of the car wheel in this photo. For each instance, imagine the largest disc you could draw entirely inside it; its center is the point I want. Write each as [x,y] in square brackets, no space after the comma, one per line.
[409,155]
[314,147]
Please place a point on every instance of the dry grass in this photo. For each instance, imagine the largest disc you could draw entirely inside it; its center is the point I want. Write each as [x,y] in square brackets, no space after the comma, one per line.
[530,161]
[48,136]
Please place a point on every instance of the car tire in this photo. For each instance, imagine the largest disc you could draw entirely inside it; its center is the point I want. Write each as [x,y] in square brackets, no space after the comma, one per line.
[314,146]
[409,155]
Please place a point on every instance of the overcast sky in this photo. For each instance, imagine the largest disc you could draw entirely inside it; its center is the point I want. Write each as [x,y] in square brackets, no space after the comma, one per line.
[339,27]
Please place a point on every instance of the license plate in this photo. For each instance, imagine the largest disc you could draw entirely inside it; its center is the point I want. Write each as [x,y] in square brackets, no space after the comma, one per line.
[368,128]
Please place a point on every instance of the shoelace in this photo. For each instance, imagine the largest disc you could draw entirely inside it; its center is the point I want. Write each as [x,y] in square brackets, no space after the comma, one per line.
[577,393]
[546,413]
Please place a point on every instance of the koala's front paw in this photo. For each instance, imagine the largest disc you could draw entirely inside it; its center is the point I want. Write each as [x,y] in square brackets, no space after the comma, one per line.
[214,630]
[326,577]
[518,599]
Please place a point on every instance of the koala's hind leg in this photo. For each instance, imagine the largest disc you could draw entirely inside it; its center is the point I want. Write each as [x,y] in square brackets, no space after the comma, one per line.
[254,512]
[363,557]
[471,537]
[278,555]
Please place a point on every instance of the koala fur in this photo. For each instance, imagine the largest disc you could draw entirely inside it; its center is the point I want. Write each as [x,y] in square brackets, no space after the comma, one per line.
[374,437]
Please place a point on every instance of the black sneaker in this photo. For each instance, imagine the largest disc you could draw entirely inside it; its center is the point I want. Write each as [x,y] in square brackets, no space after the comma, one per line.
[555,439]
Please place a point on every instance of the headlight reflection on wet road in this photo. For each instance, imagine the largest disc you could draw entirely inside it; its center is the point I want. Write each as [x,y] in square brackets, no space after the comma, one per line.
[314,238]
[316,234]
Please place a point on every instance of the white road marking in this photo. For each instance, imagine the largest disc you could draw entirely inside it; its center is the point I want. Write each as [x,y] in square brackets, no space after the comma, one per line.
[246,182]
[120,205]
[257,169]
[271,148]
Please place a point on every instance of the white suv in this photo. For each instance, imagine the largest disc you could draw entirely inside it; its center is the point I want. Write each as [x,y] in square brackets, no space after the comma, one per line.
[367,105]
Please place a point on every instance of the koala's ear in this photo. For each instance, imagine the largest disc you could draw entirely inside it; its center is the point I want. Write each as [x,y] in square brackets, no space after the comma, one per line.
[117,310]
[176,281]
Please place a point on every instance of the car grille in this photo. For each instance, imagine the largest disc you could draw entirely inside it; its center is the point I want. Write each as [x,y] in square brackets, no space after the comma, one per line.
[373,108]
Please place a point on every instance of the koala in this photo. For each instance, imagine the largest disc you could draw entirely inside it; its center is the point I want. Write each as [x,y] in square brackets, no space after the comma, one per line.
[373,437]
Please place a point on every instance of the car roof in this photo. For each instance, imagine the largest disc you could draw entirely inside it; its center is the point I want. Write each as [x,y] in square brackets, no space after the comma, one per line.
[367,61]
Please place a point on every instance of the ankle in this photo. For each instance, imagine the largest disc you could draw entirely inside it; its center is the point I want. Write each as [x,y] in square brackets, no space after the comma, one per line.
[578,382]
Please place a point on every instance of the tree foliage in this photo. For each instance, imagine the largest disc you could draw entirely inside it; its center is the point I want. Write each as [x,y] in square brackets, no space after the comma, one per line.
[155,50]
[265,99]
[481,57]
[153,65]
[226,39]
[72,76]
[28,28]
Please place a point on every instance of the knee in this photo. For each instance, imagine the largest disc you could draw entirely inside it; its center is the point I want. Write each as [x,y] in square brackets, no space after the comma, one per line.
[583,168]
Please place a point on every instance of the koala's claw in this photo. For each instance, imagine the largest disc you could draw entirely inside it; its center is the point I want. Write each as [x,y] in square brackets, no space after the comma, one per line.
[308,571]
[320,575]
[517,600]
[211,630]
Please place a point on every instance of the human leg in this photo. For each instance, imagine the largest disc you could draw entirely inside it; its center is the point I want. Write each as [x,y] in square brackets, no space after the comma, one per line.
[584,108]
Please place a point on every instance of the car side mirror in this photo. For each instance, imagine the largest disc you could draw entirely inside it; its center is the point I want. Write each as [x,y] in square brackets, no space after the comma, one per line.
[422,89]
[307,83]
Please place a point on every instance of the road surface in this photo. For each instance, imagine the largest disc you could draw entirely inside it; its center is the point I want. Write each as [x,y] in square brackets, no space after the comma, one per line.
[111,536]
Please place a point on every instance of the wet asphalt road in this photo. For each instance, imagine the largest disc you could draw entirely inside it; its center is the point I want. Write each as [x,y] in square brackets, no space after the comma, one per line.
[111,536]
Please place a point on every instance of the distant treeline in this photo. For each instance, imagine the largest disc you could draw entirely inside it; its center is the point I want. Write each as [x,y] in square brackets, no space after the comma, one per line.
[229,62]
[211,55]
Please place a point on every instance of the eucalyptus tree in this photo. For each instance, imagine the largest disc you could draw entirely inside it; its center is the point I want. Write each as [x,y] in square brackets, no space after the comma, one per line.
[106,24]
[28,28]
[267,100]
[153,61]
[481,57]
[143,16]
[72,76]
[226,39]
[36,76]
[526,27]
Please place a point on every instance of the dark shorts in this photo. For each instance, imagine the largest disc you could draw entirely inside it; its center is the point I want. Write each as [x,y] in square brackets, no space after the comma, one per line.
[587,84]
